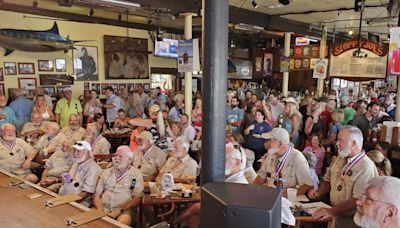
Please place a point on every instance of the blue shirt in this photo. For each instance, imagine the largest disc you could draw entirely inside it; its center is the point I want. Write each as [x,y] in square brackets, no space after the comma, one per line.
[10,116]
[233,116]
[259,128]
[22,108]
[175,114]
[112,113]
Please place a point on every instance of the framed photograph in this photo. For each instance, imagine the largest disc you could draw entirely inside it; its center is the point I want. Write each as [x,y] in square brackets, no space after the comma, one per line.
[103,88]
[10,68]
[61,65]
[49,90]
[56,79]
[122,64]
[28,85]
[46,65]
[1,74]
[121,86]
[131,87]
[26,68]
[60,89]
[2,89]
[86,86]
[96,87]
[85,63]
[114,86]
[268,57]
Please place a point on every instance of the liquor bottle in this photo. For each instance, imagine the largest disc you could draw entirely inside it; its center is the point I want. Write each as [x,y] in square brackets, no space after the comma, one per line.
[279,183]
[280,120]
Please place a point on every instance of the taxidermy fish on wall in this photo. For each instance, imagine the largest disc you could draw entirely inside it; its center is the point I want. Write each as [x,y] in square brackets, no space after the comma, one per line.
[34,41]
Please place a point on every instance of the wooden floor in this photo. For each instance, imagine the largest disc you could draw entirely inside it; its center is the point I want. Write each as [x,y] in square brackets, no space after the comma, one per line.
[19,211]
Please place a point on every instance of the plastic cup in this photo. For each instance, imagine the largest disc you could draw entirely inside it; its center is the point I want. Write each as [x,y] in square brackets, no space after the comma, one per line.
[292,192]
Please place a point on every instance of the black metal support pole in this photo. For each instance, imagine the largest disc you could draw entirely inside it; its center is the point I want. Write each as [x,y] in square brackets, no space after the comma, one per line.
[215,70]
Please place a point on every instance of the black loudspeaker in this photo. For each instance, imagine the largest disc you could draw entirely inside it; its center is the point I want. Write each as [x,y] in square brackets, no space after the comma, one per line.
[239,206]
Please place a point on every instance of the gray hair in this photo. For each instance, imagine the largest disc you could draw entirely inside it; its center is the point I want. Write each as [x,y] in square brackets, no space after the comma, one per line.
[8,125]
[355,135]
[311,158]
[250,157]
[389,187]
[183,142]
[53,125]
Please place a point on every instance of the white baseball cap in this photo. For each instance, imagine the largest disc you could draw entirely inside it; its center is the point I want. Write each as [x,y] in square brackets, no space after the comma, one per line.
[278,133]
[82,145]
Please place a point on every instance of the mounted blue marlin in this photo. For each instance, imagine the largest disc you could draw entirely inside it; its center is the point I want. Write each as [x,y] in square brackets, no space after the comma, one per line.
[34,41]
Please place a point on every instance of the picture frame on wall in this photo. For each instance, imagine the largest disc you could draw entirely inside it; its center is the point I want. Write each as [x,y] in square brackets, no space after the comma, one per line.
[60,89]
[1,74]
[46,65]
[85,63]
[114,86]
[131,87]
[26,68]
[10,68]
[28,85]
[103,88]
[86,86]
[61,65]
[56,79]
[121,86]
[2,89]
[49,90]
[96,87]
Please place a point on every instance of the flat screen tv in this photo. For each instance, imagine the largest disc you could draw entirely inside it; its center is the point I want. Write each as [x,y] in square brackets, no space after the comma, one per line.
[166,48]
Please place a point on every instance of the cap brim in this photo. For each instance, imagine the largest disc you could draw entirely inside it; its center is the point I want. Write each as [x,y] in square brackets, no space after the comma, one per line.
[267,135]
[79,147]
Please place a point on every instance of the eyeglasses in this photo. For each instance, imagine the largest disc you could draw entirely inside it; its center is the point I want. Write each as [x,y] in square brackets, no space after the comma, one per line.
[364,198]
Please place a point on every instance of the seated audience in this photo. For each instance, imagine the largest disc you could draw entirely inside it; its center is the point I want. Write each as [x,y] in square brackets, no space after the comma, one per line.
[122,120]
[381,162]
[249,171]
[50,141]
[98,122]
[188,131]
[31,131]
[319,152]
[120,188]
[6,113]
[99,144]
[73,130]
[312,162]
[41,107]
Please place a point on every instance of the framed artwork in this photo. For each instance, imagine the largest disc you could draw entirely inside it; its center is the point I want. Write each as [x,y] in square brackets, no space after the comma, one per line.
[268,57]
[121,86]
[28,85]
[114,86]
[126,58]
[49,90]
[96,87]
[10,68]
[85,63]
[131,87]
[86,86]
[2,89]
[26,68]
[103,87]
[45,65]
[60,89]
[1,74]
[298,51]
[61,65]
[56,79]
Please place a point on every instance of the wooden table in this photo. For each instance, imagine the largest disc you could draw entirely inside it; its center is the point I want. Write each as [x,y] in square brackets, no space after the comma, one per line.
[19,211]
[309,219]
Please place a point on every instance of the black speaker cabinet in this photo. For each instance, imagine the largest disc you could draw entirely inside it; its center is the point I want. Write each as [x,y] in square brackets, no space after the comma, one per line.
[239,205]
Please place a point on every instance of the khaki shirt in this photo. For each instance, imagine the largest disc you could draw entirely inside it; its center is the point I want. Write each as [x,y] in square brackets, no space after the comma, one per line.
[238,178]
[114,194]
[353,185]
[76,135]
[185,168]
[45,143]
[295,171]
[11,159]
[150,162]
[84,177]
[101,146]
[29,126]
[60,162]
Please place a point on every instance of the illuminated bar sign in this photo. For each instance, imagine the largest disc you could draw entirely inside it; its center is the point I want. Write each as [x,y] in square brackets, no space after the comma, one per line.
[369,45]
[302,41]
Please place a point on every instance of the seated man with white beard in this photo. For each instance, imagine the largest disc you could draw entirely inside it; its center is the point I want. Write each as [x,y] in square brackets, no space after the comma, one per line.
[31,131]
[120,188]
[83,175]
[74,130]
[380,204]
[16,155]
[50,141]
[60,162]
[346,179]
[182,167]
[285,161]
[100,145]
[149,159]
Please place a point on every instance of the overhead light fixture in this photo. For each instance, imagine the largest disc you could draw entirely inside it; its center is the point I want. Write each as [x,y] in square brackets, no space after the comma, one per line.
[284,2]
[91,12]
[351,32]
[121,3]
[254,3]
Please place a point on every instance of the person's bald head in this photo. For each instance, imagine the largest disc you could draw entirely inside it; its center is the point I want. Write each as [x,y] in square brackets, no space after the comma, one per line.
[52,129]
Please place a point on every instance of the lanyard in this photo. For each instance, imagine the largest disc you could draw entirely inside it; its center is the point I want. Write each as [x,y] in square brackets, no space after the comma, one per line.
[95,142]
[349,165]
[123,175]
[282,163]
[51,140]
[8,147]
[73,133]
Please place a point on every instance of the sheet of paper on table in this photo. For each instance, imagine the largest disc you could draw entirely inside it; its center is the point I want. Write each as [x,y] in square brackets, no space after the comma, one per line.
[312,207]
[302,198]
